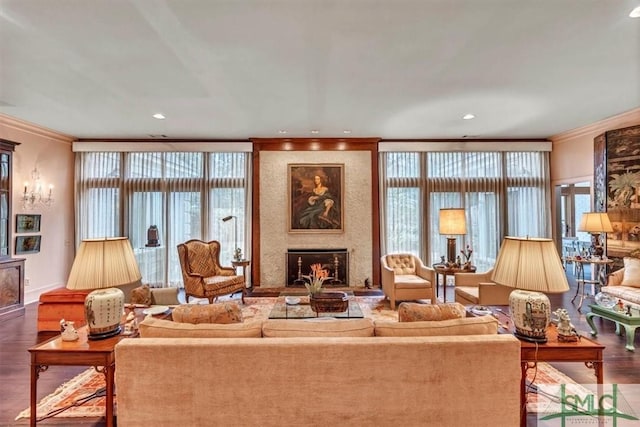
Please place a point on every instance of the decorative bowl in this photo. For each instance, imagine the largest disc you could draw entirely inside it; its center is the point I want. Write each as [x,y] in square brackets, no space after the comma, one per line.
[329,302]
[605,300]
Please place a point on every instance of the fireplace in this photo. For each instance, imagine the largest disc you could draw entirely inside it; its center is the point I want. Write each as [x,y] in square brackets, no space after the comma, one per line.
[336,261]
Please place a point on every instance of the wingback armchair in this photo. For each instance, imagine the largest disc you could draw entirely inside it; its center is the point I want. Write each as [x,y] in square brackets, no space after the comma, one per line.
[405,277]
[202,274]
[479,289]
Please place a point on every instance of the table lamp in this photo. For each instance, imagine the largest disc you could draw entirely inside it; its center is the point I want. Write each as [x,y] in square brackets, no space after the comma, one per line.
[100,265]
[595,223]
[452,223]
[531,266]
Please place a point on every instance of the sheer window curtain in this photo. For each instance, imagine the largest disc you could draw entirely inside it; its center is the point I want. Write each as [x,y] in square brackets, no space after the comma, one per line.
[184,194]
[503,193]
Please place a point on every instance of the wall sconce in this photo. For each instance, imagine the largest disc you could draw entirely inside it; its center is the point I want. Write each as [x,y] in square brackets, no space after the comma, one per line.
[34,195]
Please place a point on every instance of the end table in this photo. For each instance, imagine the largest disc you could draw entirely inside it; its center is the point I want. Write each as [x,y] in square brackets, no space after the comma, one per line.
[244,263]
[446,270]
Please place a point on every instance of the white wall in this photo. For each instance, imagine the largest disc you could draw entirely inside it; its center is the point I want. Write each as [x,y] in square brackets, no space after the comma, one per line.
[274,236]
[51,153]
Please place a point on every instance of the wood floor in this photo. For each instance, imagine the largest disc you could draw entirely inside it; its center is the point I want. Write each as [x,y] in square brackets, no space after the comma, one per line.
[18,334]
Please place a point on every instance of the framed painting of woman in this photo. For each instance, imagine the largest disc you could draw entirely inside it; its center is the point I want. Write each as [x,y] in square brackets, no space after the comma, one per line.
[316,198]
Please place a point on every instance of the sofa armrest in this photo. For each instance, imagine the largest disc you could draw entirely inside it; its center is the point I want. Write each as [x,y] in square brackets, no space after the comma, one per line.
[473,279]
[615,278]
[493,294]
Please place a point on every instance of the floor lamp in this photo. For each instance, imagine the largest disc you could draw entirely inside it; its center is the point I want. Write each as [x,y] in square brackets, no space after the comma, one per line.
[533,267]
[595,223]
[237,252]
[102,265]
[452,222]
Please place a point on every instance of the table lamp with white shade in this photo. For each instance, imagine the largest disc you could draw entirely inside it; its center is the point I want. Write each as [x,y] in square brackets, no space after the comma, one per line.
[452,223]
[102,265]
[595,223]
[533,267]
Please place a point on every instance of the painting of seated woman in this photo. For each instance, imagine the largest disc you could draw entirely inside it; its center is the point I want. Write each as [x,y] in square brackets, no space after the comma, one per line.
[316,197]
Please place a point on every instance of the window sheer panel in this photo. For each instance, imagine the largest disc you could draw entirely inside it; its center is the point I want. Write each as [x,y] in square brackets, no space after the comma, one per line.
[499,191]
[173,190]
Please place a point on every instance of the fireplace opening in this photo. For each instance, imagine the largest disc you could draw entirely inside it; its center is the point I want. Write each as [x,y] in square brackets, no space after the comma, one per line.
[336,261]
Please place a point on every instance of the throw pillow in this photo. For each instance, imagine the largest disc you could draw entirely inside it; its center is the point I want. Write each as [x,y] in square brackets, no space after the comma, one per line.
[151,327]
[226,312]
[631,275]
[164,296]
[483,325]
[414,312]
[141,295]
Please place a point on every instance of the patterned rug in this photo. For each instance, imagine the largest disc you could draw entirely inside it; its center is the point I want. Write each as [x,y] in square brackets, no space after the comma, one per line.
[76,398]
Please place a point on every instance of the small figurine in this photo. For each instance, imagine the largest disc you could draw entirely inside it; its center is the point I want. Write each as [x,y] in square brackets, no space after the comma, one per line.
[69,332]
[237,254]
[566,331]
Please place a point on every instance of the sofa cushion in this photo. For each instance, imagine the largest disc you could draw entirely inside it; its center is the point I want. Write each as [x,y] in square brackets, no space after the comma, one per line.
[226,312]
[151,327]
[631,272]
[320,327]
[414,312]
[483,325]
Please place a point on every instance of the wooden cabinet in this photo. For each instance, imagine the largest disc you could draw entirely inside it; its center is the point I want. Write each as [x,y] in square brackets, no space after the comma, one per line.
[11,270]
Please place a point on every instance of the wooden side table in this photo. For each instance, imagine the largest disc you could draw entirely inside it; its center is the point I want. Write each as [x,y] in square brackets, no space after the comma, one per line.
[83,352]
[445,271]
[584,350]
[244,263]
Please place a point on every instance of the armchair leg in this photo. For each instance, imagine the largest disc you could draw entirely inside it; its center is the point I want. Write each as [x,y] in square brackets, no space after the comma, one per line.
[244,291]
[392,302]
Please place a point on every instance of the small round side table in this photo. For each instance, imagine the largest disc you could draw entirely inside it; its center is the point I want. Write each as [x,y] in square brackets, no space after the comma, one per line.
[244,263]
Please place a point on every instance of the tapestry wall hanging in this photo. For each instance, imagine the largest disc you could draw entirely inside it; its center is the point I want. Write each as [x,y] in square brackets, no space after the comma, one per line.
[617,187]
[316,194]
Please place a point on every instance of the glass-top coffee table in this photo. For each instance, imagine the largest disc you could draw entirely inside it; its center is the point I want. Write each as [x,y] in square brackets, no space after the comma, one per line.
[629,319]
[302,310]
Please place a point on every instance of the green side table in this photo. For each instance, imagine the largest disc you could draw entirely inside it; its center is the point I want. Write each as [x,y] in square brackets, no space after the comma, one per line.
[630,323]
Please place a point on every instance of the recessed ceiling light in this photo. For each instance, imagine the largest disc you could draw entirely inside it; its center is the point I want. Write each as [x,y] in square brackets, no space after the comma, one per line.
[635,13]
[282,131]
[314,131]
[347,131]
[468,116]
[159,116]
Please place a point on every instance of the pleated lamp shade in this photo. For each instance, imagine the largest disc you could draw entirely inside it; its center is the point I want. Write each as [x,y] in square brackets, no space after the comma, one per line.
[532,264]
[533,267]
[101,265]
[595,222]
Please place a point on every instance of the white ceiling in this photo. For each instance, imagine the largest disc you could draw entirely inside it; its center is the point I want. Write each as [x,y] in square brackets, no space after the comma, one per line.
[237,69]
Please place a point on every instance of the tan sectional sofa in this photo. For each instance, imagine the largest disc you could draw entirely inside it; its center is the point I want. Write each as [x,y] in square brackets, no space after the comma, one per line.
[319,373]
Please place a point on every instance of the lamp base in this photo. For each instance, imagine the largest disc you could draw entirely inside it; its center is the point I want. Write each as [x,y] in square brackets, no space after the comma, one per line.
[531,314]
[103,310]
[104,335]
[451,250]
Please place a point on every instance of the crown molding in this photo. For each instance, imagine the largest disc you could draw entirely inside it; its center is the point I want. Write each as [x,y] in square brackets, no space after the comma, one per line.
[628,118]
[30,128]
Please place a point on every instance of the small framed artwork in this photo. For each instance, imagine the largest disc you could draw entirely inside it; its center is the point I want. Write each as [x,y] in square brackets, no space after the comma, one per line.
[27,244]
[27,223]
[316,193]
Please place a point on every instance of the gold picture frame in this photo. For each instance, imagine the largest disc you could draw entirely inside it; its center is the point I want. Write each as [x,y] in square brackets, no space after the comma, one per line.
[316,197]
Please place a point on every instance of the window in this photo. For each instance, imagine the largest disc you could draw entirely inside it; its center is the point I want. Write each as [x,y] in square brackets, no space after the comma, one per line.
[184,194]
[503,193]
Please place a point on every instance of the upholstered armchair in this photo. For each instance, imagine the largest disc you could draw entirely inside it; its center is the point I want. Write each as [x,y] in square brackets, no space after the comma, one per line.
[479,289]
[405,277]
[202,274]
